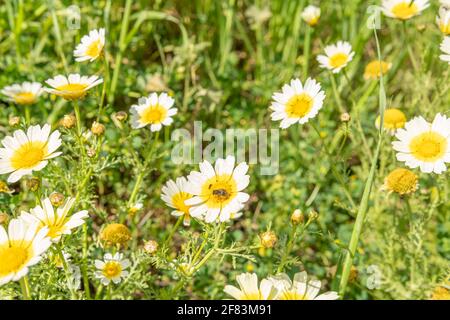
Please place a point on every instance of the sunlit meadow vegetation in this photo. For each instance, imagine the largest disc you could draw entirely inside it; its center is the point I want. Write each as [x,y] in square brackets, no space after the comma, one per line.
[359,207]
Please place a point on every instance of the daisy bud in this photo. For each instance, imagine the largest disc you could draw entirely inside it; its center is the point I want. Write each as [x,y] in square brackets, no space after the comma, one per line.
[151,246]
[268,239]
[97,128]
[345,117]
[121,116]
[4,218]
[14,121]
[68,121]
[33,183]
[56,199]
[115,234]
[353,274]
[297,217]
[313,215]
[91,152]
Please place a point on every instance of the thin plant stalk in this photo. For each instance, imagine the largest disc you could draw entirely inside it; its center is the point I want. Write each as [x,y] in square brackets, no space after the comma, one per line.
[25,288]
[306,51]
[66,271]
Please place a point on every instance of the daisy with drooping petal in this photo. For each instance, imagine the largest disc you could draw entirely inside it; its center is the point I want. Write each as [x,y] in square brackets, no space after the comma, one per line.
[112,268]
[91,46]
[443,20]
[336,57]
[58,222]
[300,288]
[24,94]
[311,15]
[249,289]
[174,195]
[394,119]
[375,69]
[445,48]
[297,103]
[21,246]
[403,9]
[155,111]
[217,191]
[72,87]
[24,153]
[425,145]
[401,181]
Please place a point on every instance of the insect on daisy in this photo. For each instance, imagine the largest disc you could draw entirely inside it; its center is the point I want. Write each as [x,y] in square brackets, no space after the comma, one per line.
[297,103]
[72,87]
[249,289]
[403,9]
[58,222]
[21,247]
[112,268]
[311,15]
[300,288]
[336,57]
[24,153]
[425,145]
[154,110]
[24,94]
[91,46]
[394,119]
[174,195]
[375,69]
[217,191]
[445,48]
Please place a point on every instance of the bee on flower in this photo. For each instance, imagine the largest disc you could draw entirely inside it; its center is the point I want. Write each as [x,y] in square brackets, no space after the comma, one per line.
[337,56]
[311,15]
[58,222]
[300,288]
[375,69]
[112,268]
[21,246]
[72,87]
[24,153]
[23,94]
[217,191]
[154,110]
[91,46]
[250,290]
[393,120]
[174,195]
[424,145]
[445,48]
[297,103]
[404,9]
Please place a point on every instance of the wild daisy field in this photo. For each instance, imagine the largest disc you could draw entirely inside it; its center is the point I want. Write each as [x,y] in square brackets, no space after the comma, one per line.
[236,149]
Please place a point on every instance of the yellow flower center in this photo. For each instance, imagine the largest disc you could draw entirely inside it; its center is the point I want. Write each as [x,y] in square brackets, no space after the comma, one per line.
[178,201]
[441,293]
[338,60]
[445,28]
[401,181]
[251,296]
[292,295]
[14,257]
[394,119]
[312,21]
[116,233]
[94,49]
[374,69]
[29,155]
[72,91]
[218,191]
[25,98]
[153,114]
[299,105]
[112,269]
[54,231]
[428,146]
[405,10]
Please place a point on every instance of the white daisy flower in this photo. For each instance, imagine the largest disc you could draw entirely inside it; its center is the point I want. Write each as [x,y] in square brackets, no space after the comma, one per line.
[21,246]
[311,15]
[425,145]
[443,20]
[249,290]
[174,195]
[25,94]
[72,87]
[217,191]
[336,57]
[135,208]
[91,46]
[445,3]
[112,268]
[403,9]
[300,288]
[57,223]
[24,153]
[297,103]
[445,48]
[153,110]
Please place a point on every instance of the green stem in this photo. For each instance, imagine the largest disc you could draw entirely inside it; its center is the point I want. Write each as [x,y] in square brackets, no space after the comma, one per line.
[84,266]
[25,288]
[76,108]
[337,97]
[66,271]
[289,246]
[27,115]
[412,58]
[306,51]
[58,37]
[172,232]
